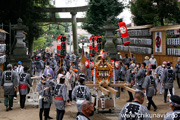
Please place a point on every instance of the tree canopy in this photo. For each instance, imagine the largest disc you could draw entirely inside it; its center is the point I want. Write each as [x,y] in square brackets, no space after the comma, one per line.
[30,11]
[83,38]
[50,33]
[99,12]
[158,12]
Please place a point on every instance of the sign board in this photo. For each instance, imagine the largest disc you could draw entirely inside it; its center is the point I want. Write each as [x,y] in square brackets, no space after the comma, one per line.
[2,59]
[141,41]
[135,49]
[173,51]
[2,36]
[158,42]
[122,48]
[137,33]
[2,48]
[136,41]
[173,32]
[173,41]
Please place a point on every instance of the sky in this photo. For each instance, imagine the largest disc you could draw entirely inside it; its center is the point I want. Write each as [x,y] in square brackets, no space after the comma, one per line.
[126,14]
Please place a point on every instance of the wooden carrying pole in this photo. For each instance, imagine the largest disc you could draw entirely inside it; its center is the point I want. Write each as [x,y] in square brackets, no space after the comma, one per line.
[129,89]
[60,62]
[104,90]
[113,91]
[130,52]
[117,85]
[92,85]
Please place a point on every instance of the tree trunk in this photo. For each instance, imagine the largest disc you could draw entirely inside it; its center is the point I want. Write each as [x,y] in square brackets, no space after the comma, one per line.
[30,46]
[158,11]
[162,21]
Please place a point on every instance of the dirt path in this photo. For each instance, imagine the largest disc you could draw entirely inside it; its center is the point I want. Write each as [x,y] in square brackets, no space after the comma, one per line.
[31,113]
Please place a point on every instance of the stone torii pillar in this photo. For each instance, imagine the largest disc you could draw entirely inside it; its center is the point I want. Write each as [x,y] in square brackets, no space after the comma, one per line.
[74,29]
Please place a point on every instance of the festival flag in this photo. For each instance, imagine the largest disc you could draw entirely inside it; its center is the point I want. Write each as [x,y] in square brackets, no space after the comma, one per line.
[123,29]
[83,60]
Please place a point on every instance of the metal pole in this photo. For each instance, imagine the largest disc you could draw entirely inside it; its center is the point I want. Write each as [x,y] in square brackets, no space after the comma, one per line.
[10,38]
[114,100]
[114,72]
[114,75]
[97,98]
[2,25]
[94,78]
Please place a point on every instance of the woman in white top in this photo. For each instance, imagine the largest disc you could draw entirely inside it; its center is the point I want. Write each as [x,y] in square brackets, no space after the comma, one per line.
[60,74]
[68,82]
[153,61]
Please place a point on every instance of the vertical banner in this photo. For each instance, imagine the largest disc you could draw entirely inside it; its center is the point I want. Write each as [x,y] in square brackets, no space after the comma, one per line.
[124,33]
[158,42]
[177,31]
[123,29]
[61,45]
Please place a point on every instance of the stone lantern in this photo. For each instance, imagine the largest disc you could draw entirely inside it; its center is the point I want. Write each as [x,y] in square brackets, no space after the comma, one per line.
[20,52]
[20,36]
[109,45]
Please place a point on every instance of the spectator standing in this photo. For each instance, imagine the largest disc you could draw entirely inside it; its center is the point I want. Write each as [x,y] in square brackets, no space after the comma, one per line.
[20,68]
[147,60]
[177,71]
[153,61]
[68,81]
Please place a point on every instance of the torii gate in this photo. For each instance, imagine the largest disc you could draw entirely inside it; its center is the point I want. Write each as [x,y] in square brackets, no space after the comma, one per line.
[73,11]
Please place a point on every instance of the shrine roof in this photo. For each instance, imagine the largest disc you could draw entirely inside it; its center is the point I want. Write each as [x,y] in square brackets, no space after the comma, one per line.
[3,31]
[165,28]
[140,27]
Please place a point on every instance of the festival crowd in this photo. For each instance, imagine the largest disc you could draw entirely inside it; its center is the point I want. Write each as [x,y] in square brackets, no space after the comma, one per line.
[63,80]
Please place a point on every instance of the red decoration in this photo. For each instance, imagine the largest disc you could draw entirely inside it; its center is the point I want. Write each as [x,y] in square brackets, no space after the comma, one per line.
[87,63]
[61,45]
[158,42]
[123,29]
[23,86]
[98,43]
[58,98]
[92,46]
[126,43]
[92,65]
[95,44]
[117,64]
[112,62]
[104,55]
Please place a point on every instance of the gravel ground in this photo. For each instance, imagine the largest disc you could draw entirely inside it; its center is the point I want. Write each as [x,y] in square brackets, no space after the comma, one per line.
[31,112]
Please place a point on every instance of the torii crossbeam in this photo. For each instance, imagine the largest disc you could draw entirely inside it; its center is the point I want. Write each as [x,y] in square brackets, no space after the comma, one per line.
[73,11]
